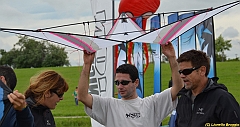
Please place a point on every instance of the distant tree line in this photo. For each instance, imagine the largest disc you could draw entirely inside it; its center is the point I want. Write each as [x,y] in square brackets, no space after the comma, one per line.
[28,52]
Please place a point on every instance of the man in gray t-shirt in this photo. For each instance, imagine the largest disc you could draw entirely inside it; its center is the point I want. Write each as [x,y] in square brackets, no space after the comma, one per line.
[130,110]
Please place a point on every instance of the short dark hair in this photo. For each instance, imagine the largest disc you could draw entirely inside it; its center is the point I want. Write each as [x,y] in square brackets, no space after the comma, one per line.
[128,69]
[197,58]
[9,75]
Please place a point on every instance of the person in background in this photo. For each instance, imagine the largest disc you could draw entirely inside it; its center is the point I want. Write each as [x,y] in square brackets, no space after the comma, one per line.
[19,114]
[130,110]
[203,102]
[75,96]
[44,92]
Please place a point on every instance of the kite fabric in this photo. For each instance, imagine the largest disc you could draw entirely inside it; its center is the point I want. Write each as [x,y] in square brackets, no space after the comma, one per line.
[169,32]
[5,104]
[91,43]
[125,29]
[77,41]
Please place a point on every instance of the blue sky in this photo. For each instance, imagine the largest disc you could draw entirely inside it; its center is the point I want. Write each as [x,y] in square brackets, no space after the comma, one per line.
[35,14]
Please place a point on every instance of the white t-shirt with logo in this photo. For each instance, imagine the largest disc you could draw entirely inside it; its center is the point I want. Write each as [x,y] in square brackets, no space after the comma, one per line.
[139,112]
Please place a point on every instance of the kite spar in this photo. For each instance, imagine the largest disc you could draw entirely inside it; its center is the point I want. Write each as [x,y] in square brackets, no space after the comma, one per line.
[92,44]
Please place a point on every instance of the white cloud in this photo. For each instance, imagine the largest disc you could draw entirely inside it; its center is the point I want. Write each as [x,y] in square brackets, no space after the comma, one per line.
[230,32]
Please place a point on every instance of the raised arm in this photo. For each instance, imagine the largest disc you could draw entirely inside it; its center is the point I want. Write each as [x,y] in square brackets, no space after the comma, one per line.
[83,84]
[168,50]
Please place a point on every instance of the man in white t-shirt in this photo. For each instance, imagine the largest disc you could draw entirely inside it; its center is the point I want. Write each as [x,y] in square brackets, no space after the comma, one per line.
[130,110]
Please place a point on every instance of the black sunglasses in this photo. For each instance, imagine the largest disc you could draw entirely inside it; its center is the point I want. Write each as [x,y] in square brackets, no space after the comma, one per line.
[123,82]
[59,95]
[188,70]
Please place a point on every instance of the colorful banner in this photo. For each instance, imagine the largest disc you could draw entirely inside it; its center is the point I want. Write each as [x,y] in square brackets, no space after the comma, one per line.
[101,74]
[205,35]
[156,53]
[187,39]
[121,57]
[138,61]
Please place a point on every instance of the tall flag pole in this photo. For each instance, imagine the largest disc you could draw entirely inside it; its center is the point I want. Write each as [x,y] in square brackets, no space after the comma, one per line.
[113,49]
[214,51]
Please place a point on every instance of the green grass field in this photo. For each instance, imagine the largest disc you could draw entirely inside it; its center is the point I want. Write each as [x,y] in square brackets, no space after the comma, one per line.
[228,73]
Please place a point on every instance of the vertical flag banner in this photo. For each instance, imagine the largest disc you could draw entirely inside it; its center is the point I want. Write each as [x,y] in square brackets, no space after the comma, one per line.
[171,19]
[187,39]
[101,75]
[122,48]
[156,53]
[122,56]
[205,35]
[138,61]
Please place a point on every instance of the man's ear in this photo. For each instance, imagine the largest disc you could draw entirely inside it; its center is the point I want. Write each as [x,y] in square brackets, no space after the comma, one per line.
[136,82]
[203,70]
[2,78]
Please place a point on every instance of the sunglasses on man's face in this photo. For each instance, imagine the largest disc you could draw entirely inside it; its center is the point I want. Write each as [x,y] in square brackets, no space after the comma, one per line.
[123,82]
[188,70]
[59,95]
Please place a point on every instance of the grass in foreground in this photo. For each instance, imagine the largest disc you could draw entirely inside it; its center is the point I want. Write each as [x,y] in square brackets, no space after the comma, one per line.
[228,72]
